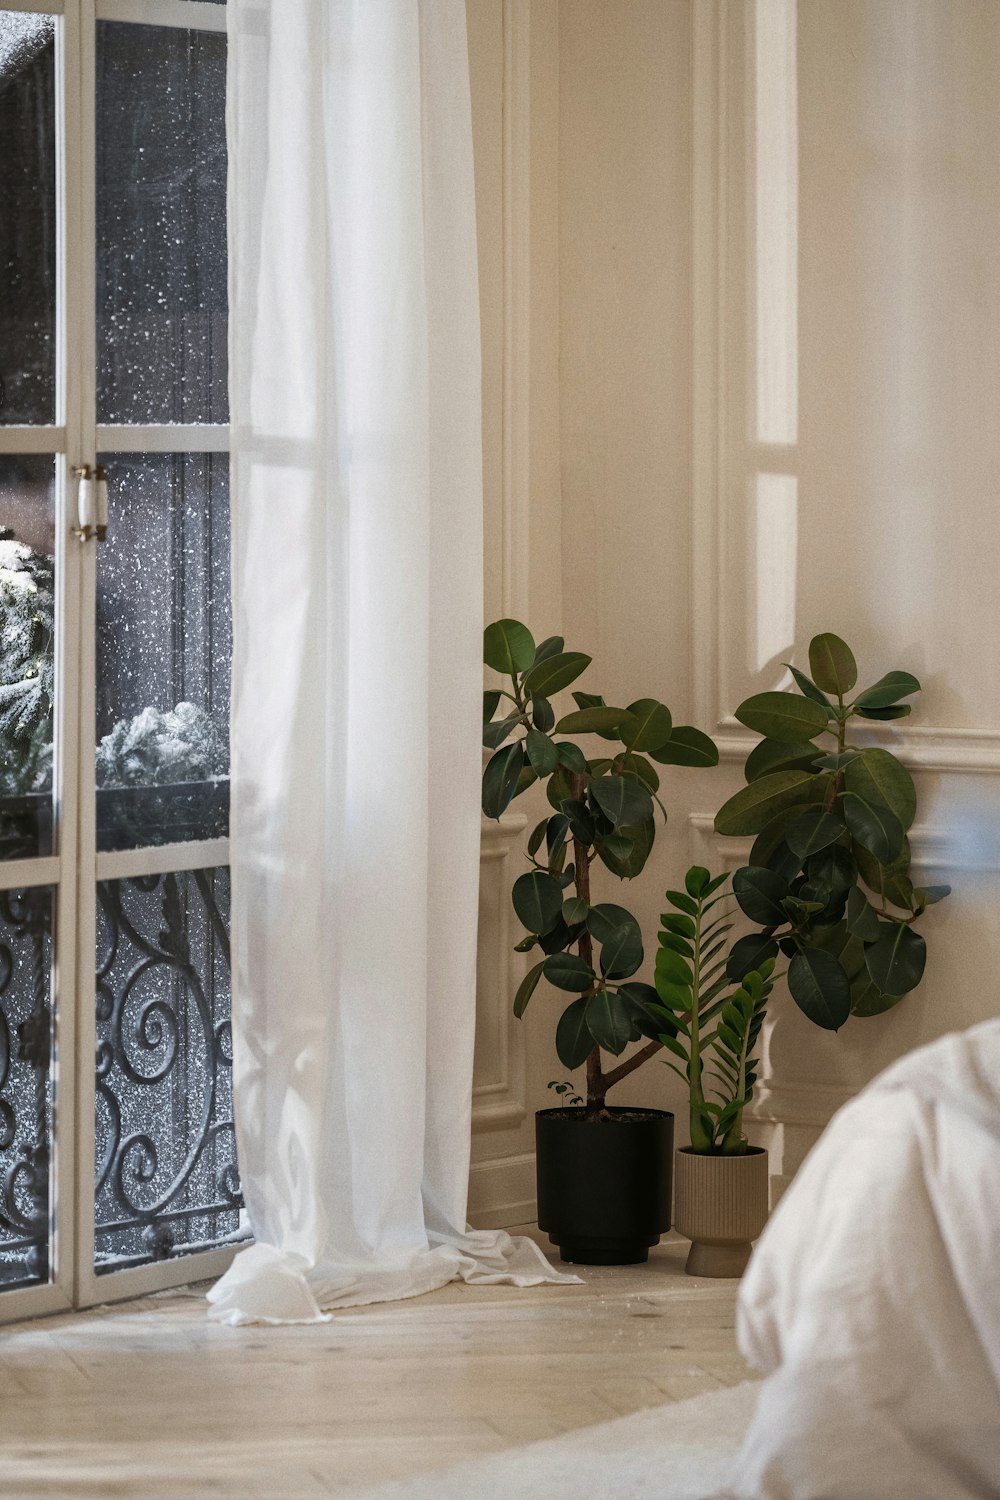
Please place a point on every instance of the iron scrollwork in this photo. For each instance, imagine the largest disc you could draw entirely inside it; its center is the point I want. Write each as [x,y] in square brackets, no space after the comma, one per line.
[167,1181]
[25,1085]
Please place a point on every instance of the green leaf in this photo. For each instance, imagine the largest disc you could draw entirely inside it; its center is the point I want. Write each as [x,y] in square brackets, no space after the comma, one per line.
[527,988]
[580,821]
[760,894]
[696,882]
[808,687]
[671,969]
[551,646]
[887,691]
[648,1011]
[929,895]
[874,827]
[687,747]
[780,755]
[812,831]
[542,753]
[621,952]
[538,900]
[896,960]
[883,715]
[537,835]
[683,902]
[621,800]
[574,1042]
[574,910]
[572,757]
[609,1021]
[491,702]
[527,943]
[683,926]
[605,918]
[640,837]
[868,1000]
[832,664]
[877,777]
[554,674]
[542,715]
[833,868]
[639,769]
[508,647]
[755,805]
[500,779]
[820,987]
[567,971]
[782,716]
[559,788]
[593,721]
[652,725]
[495,734]
[615,847]
[861,917]
[748,953]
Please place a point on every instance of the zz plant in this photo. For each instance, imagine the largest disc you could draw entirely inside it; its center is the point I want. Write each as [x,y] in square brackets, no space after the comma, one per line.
[712,1031]
[828,881]
[602,809]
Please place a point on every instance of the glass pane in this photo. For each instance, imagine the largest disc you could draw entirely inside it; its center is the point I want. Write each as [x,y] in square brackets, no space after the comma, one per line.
[25,1085]
[161,225]
[166,1176]
[27,218]
[27,653]
[164,642]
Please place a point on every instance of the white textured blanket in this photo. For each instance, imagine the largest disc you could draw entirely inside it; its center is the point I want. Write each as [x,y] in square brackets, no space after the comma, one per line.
[873,1297]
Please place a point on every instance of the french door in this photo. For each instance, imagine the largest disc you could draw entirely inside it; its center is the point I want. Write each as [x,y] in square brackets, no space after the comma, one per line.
[117,1154]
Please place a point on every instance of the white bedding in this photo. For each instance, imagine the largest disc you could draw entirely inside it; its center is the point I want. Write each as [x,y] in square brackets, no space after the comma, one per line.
[873,1297]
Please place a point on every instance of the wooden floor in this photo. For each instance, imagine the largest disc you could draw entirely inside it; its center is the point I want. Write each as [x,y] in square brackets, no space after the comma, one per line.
[149,1399]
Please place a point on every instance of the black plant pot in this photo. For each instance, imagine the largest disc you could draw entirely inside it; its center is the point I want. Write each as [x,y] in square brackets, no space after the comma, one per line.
[604,1183]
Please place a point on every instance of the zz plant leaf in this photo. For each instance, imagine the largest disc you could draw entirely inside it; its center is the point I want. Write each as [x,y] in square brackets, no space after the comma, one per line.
[830,816]
[604,803]
[709,1028]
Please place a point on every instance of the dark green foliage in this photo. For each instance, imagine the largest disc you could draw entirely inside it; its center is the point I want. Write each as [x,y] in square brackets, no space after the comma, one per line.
[828,878]
[603,808]
[709,1027]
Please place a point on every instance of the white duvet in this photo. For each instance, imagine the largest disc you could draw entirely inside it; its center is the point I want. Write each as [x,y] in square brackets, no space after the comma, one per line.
[873,1297]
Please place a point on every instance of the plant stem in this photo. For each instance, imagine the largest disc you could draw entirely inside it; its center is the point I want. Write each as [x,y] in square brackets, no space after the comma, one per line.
[597,1086]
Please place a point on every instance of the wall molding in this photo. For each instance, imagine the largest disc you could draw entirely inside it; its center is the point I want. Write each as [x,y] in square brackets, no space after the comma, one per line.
[502,1192]
[516,442]
[719,153]
[499,1102]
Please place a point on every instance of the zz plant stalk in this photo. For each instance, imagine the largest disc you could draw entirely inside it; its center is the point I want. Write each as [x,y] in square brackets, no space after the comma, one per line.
[828,880]
[602,809]
[712,1030]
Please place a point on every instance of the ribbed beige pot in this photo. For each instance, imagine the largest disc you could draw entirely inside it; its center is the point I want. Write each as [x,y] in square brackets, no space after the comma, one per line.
[720,1204]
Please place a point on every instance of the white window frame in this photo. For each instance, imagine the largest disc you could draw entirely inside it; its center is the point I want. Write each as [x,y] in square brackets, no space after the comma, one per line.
[74,870]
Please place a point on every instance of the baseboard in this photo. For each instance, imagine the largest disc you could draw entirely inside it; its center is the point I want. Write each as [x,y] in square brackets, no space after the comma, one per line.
[502,1192]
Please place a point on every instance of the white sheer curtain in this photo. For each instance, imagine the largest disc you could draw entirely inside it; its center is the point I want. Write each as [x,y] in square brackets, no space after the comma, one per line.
[357,578]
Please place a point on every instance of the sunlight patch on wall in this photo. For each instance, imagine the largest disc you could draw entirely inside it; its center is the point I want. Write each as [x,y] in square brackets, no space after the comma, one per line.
[774,558]
[776,238]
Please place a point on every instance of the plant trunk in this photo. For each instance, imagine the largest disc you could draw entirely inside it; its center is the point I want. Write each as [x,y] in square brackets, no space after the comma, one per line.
[596,1084]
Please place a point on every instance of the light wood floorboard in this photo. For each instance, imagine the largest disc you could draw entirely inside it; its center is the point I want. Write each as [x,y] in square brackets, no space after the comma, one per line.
[149,1399]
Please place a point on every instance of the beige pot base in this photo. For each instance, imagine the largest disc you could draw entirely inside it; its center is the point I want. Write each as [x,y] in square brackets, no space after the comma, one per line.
[718,1260]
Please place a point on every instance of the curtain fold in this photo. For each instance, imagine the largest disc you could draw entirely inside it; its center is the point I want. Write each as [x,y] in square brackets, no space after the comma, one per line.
[357,582]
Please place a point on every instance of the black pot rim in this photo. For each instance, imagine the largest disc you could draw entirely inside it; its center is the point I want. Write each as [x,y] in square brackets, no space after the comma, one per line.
[718,1155]
[577,1112]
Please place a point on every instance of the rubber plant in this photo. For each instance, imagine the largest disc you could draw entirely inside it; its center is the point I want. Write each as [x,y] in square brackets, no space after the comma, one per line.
[828,879]
[602,809]
[712,1028]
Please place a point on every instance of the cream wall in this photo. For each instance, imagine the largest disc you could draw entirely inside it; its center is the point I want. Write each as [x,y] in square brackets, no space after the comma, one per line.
[747,302]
